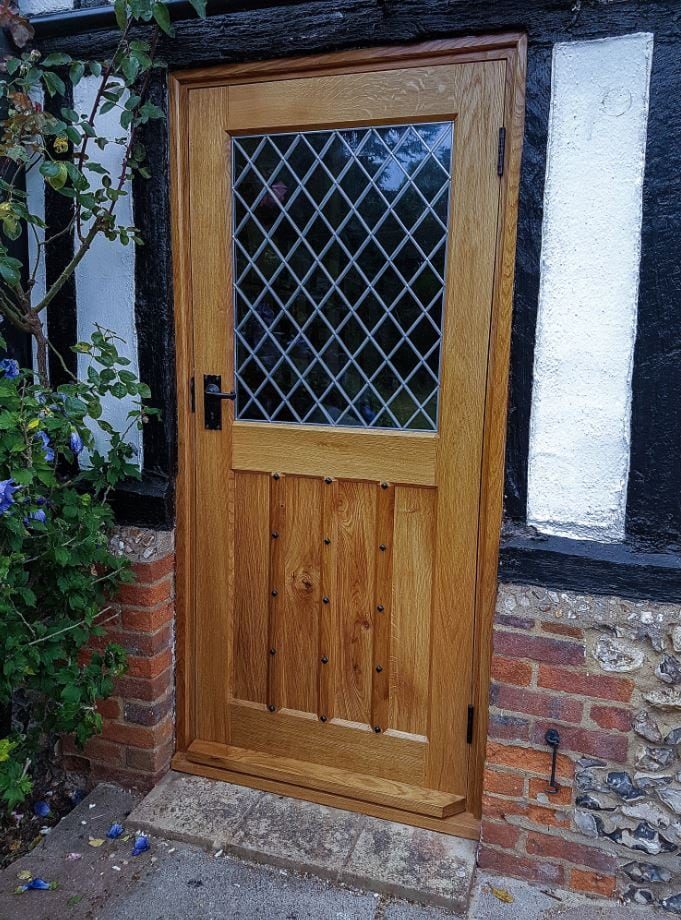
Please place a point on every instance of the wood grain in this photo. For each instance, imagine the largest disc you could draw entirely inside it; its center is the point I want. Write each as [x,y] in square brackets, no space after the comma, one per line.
[356,512]
[311,450]
[298,635]
[383,605]
[251,586]
[410,651]
[440,513]
[361,786]
[463,824]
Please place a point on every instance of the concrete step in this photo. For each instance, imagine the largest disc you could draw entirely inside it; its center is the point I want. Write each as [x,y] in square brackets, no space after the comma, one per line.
[380,856]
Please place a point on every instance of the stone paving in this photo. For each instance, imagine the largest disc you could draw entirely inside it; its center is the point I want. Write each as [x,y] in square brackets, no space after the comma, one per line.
[178,880]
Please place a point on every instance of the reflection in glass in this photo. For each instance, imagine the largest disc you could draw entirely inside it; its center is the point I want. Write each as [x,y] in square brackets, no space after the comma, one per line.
[339,257]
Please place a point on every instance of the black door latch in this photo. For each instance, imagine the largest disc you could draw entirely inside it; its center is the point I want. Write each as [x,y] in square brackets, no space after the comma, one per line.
[212,401]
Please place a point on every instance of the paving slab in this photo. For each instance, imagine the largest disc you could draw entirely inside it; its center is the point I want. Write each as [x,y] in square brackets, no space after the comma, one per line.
[381,856]
[410,862]
[299,835]
[194,809]
[194,885]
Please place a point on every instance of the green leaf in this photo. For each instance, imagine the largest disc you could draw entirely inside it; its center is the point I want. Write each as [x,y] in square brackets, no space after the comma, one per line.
[10,270]
[57,59]
[53,84]
[76,72]
[121,13]
[200,7]
[162,17]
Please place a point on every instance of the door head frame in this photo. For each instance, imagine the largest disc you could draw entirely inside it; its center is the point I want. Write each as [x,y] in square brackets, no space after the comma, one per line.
[510,48]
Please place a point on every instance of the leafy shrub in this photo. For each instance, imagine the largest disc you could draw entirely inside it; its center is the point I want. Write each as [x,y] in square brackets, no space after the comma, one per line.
[57,572]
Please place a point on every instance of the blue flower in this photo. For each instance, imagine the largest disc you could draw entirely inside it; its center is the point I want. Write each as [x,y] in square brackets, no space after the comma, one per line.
[42,809]
[9,368]
[114,831]
[45,441]
[75,442]
[40,517]
[7,489]
[141,844]
[36,884]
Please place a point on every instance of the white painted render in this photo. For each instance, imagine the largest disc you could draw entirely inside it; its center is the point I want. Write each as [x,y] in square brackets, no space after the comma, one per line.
[105,279]
[586,326]
[40,7]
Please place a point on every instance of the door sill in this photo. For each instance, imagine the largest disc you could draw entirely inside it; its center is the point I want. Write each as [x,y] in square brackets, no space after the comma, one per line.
[231,769]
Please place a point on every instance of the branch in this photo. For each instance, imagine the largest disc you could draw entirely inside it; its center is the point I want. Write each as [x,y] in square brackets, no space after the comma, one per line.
[69,269]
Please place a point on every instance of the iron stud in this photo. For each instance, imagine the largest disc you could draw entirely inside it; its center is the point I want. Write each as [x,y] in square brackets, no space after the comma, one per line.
[382,547]
[325,600]
[275,534]
[380,608]
[328,480]
[322,718]
[271,707]
[384,485]
[276,475]
[325,660]
[274,592]
[379,668]
[326,541]
[273,651]
[377,729]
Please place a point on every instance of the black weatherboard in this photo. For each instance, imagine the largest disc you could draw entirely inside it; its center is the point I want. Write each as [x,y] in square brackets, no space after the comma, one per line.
[252,31]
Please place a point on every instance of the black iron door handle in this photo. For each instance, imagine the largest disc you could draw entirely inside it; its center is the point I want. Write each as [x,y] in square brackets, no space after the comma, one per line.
[212,401]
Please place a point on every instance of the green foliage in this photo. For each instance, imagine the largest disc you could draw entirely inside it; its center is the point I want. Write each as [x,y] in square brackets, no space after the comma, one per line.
[57,572]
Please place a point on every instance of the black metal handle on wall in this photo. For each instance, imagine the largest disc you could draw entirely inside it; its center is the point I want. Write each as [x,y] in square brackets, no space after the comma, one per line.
[212,401]
[552,738]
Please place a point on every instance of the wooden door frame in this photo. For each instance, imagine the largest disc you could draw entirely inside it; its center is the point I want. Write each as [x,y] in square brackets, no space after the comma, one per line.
[512,49]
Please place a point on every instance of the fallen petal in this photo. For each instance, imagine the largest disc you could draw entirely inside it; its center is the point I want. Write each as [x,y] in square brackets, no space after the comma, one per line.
[114,831]
[96,841]
[24,875]
[502,895]
[141,844]
[73,856]
[37,884]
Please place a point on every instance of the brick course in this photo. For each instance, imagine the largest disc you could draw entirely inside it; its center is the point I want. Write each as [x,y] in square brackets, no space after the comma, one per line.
[137,740]
[541,679]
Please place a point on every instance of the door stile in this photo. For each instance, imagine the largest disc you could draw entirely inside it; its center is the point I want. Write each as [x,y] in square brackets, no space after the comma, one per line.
[470,280]
[213,529]
[382,613]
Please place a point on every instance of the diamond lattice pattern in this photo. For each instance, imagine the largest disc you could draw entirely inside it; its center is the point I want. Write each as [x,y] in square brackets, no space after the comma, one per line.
[339,247]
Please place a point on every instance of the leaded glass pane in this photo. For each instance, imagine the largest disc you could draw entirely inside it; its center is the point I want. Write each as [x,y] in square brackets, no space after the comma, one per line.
[339,262]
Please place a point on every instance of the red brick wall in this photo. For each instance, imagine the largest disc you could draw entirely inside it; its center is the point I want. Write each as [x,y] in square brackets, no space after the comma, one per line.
[541,679]
[137,740]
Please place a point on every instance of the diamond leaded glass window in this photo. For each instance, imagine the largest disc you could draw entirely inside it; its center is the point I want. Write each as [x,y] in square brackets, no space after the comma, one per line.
[339,253]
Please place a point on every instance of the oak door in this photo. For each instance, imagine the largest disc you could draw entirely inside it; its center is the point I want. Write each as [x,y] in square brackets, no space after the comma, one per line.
[342,252]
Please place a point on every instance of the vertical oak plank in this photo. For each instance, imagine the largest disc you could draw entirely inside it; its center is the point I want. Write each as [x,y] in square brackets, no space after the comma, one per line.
[297,654]
[251,586]
[383,605]
[356,570]
[412,609]
[328,611]
[276,587]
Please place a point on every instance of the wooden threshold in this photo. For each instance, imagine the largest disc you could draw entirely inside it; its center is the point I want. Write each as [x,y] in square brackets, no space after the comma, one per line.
[321,778]
[464,825]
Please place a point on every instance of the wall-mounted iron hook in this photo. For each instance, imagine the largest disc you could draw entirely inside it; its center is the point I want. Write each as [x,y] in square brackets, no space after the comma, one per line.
[552,738]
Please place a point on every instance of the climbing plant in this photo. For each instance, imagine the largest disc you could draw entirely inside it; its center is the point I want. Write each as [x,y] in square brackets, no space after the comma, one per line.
[60,458]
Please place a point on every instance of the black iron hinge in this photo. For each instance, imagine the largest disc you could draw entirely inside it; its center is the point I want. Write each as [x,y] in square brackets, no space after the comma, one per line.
[469,725]
[501,157]
[192,395]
